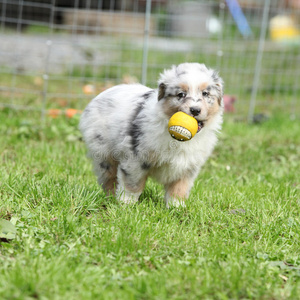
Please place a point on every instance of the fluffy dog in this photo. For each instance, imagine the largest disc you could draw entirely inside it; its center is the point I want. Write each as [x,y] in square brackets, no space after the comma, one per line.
[126,132]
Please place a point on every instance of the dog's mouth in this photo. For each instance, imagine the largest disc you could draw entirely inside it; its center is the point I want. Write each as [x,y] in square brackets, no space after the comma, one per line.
[200,125]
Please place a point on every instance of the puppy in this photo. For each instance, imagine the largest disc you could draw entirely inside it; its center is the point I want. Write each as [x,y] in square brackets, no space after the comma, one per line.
[126,132]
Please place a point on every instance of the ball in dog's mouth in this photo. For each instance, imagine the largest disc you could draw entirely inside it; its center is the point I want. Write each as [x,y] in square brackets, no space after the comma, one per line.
[183,127]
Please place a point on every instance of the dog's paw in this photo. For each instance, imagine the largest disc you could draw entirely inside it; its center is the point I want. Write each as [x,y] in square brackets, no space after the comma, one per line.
[128,200]
[173,202]
[127,197]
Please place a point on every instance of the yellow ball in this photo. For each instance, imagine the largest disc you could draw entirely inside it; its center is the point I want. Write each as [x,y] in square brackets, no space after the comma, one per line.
[182,127]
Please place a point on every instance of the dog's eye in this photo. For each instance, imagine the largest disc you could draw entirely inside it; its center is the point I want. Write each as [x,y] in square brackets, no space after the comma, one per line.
[205,94]
[181,95]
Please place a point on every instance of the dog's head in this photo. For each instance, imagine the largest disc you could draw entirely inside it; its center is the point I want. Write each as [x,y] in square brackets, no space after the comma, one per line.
[191,88]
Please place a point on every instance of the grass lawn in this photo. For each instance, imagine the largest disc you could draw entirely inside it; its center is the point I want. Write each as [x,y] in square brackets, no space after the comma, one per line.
[238,237]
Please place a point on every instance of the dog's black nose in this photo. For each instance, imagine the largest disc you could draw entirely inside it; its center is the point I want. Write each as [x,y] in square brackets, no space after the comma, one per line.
[195,111]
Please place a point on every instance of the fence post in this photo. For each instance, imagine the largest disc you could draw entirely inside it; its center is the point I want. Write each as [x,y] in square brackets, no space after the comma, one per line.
[260,51]
[46,80]
[146,41]
[47,62]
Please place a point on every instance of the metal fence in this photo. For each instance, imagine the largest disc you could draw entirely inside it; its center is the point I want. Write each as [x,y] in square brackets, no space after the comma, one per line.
[58,54]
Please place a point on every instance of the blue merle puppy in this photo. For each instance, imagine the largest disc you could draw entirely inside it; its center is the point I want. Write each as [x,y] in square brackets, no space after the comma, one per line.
[126,131]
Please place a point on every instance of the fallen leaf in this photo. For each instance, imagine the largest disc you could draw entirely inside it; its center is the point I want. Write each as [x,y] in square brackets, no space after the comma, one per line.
[283,277]
[7,230]
[237,211]
[88,89]
[70,112]
[54,113]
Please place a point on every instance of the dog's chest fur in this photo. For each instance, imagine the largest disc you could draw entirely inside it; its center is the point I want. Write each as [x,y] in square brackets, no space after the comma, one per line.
[173,159]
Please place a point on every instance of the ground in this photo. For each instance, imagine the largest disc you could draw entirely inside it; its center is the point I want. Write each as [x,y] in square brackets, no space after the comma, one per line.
[238,237]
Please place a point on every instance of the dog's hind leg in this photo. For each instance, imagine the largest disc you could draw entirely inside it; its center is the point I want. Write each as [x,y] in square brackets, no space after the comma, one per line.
[106,171]
[131,182]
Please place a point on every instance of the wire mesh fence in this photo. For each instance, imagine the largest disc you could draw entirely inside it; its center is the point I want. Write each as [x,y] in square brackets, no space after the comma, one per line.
[58,54]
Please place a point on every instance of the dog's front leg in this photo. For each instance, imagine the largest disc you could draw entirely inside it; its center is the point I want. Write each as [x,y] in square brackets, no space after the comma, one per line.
[177,192]
[131,182]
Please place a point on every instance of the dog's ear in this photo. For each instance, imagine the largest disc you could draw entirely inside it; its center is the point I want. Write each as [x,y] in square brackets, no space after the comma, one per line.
[218,84]
[219,88]
[161,91]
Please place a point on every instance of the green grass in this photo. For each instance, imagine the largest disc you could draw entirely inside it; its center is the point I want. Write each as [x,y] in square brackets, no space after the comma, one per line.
[238,237]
